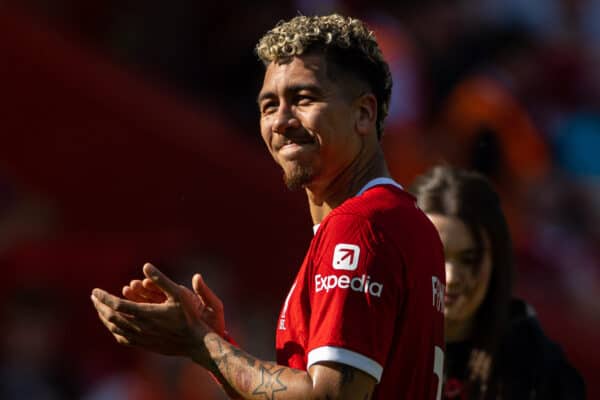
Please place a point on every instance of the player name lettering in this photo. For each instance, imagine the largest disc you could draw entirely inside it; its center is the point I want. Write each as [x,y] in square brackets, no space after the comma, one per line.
[357,284]
[438,289]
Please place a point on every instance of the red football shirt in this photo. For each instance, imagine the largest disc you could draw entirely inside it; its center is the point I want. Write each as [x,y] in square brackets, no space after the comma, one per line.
[369,294]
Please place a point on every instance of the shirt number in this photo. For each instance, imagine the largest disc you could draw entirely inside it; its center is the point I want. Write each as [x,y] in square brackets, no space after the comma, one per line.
[438,369]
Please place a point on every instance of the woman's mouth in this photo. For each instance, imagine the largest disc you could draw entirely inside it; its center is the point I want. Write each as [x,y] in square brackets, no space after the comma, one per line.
[450,298]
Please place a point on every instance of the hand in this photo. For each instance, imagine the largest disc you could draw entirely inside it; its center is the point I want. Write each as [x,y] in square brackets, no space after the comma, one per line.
[213,314]
[172,327]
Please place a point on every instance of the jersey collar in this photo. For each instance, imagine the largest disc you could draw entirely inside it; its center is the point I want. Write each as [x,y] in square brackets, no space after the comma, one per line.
[372,183]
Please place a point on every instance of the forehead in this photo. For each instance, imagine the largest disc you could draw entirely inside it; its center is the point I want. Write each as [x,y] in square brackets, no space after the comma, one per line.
[454,233]
[300,70]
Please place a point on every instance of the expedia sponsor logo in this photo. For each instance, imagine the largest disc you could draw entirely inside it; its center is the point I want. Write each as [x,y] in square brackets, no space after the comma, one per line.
[345,256]
[357,284]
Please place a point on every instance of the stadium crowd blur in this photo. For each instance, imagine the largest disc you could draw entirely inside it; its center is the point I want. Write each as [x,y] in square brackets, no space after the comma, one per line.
[130,134]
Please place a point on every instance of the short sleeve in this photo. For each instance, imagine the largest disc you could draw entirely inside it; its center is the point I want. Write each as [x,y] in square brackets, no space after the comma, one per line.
[355,293]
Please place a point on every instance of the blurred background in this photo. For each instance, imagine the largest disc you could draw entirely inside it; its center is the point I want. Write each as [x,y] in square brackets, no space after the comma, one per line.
[130,134]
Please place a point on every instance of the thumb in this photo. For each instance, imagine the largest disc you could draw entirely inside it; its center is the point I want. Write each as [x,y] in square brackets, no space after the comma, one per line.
[170,288]
[208,296]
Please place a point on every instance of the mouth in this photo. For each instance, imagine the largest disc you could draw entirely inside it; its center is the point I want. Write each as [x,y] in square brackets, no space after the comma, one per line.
[296,141]
[451,298]
[291,147]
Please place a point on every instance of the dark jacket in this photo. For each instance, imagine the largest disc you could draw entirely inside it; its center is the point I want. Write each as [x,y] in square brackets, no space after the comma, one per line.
[528,365]
[531,366]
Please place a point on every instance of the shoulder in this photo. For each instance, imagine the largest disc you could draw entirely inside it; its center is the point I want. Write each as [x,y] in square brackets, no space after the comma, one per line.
[379,199]
[382,207]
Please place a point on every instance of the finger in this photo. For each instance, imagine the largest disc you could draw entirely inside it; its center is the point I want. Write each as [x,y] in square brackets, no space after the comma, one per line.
[209,297]
[112,327]
[119,304]
[150,286]
[170,288]
[152,292]
[114,321]
[133,295]
[132,291]
[124,340]
[193,297]
[150,296]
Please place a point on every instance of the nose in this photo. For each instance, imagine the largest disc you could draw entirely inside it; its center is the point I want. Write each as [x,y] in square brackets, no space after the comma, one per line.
[285,119]
[453,275]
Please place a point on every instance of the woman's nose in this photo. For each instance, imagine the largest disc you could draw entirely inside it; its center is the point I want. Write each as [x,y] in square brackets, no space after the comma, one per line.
[453,274]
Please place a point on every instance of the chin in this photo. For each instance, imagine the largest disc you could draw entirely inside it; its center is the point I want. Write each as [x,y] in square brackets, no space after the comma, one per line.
[298,178]
[454,315]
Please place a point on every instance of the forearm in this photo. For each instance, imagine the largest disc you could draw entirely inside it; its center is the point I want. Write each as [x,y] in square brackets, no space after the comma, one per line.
[251,378]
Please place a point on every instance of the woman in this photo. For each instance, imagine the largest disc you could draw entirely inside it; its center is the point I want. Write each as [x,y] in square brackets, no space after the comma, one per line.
[496,348]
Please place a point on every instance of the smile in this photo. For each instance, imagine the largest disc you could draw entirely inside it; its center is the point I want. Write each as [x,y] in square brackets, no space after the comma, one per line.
[450,299]
[290,149]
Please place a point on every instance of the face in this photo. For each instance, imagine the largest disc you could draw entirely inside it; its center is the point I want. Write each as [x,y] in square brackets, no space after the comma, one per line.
[307,121]
[467,275]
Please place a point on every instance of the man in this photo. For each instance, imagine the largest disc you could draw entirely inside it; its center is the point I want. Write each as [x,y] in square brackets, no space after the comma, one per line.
[363,318]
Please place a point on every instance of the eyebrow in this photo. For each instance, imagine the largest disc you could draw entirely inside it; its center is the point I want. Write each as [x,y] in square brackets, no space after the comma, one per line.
[291,89]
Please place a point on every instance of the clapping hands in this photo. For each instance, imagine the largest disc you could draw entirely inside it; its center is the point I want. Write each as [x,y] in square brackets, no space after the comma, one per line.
[160,315]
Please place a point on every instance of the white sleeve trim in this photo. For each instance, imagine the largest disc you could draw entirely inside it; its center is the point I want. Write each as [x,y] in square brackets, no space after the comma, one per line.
[347,357]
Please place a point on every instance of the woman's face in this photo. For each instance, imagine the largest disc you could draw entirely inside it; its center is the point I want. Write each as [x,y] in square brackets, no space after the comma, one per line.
[467,275]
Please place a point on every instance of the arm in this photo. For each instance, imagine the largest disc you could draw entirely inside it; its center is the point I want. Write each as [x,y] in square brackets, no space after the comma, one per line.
[252,378]
[176,327]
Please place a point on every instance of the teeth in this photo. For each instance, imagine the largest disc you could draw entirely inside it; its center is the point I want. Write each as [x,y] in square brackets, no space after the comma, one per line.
[299,142]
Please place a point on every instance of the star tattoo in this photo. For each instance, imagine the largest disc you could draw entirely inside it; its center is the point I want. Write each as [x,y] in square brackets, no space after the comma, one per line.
[270,383]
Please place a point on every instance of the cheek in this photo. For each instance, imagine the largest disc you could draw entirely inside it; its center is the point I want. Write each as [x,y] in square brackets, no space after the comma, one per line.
[477,290]
[474,291]
[265,131]
[322,121]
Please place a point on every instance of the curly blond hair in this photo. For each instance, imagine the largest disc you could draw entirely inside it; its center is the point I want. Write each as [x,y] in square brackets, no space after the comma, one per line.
[346,42]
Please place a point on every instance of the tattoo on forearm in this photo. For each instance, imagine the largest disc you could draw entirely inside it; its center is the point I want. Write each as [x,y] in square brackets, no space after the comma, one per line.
[243,380]
[242,354]
[227,356]
[270,382]
[221,359]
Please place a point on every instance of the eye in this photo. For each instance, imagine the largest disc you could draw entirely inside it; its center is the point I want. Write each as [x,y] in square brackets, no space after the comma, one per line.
[468,260]
[304,100]
[268,107]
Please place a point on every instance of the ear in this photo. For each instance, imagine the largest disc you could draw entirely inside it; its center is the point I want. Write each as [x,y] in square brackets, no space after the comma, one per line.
[366,114]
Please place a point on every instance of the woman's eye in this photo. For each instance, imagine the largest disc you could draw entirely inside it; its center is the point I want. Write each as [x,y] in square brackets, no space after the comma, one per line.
[469,259]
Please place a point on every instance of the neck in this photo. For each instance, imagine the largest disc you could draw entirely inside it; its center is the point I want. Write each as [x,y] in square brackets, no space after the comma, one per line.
[457,331]
[324,197]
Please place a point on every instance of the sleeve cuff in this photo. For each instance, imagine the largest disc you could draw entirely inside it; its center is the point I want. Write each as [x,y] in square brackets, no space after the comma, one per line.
[347,357]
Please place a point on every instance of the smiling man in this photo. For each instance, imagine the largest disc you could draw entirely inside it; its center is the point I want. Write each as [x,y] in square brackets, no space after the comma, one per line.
[362,319]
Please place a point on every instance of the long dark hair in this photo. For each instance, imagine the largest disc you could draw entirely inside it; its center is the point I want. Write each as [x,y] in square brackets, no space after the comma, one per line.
[470,197]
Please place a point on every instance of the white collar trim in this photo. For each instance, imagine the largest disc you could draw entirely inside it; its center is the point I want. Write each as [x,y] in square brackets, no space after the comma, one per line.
[377,182]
